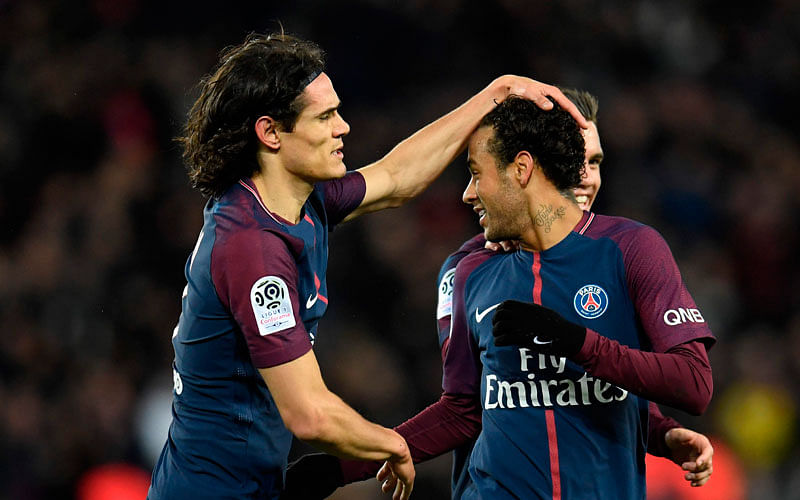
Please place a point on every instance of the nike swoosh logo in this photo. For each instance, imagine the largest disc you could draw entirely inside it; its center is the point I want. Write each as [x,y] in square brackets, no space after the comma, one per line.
[541,342]
[312,299]
[480,315]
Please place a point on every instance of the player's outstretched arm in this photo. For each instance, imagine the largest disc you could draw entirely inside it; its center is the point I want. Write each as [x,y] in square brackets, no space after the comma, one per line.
[316,415]
[414,163]
[679,377]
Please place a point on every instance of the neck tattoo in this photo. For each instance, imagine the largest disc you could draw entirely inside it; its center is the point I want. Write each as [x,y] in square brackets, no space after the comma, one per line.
[545,216]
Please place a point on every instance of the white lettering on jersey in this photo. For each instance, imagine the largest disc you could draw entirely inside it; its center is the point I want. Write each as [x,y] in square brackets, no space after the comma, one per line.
[445,305]
[675,317]
[272,305]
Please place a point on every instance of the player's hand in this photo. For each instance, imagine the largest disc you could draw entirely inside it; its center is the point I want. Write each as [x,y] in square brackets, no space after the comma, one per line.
[504,246]
[539,92]
[693,452]
[397,476]
[311,477]
[537,328]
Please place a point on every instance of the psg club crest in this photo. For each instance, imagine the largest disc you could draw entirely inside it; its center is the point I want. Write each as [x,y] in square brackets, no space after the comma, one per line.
[591,301]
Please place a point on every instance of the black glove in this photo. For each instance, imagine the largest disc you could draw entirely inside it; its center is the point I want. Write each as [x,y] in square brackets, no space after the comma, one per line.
[312,476]
[537,328]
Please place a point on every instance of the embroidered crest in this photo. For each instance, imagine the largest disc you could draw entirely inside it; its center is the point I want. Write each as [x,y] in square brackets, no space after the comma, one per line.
[271,305]
[591,301]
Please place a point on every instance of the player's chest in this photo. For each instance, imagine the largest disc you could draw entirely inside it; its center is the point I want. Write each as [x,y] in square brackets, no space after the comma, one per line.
[575,285]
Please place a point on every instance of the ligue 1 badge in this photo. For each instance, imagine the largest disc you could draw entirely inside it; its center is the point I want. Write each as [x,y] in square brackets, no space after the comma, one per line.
[591,301]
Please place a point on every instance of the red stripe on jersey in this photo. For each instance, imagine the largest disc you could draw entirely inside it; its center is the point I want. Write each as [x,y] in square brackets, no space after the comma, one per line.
[552,441]
[308,219]
[317,283]
[588,222]
[537,278]
[550,418]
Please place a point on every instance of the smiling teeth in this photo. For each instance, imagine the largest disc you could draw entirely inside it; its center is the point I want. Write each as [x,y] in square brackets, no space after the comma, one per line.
[582,198]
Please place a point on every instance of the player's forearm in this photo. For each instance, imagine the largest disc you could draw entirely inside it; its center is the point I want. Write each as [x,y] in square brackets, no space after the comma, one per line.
[338,429]
[418,160]
[680,377]
[657,429]
[439,428]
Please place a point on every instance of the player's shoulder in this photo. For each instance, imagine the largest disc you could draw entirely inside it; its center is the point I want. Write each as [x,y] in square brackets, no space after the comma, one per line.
[620,229]
[243,225]
[473,260]
[635,239]
[477,242]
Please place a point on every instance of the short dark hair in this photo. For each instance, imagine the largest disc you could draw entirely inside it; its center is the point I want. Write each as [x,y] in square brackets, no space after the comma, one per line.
[264,75]
[552,137]
[586,103]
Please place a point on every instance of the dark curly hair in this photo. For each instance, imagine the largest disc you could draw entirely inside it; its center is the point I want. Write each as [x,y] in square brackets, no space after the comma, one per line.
[552,137]
[263,76]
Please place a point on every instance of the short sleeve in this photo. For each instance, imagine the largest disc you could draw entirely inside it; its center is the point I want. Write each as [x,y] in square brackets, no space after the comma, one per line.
[462,365]
[342,196]
[667,311]
[444,292]
[256,278]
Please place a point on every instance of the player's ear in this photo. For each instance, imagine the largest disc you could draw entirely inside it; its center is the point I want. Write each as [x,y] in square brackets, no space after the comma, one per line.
[523,167]
[267,131]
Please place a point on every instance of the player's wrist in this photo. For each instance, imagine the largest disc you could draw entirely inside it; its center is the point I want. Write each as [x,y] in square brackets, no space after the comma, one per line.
[401,452]
[502,87]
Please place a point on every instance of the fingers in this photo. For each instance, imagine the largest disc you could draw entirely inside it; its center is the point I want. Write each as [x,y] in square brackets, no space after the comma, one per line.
[384,472]
[563,101]
[539,92]
[494,247]
[509,308]
[390,484]
[706,454]
[403,490]
[699,478]
[509,245]
[398,491]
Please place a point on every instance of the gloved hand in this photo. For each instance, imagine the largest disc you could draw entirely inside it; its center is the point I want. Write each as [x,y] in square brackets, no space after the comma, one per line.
[537,328]
[311,477]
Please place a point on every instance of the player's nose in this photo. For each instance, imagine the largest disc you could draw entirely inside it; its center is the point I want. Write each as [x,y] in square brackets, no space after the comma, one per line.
[469,196]
[342,128]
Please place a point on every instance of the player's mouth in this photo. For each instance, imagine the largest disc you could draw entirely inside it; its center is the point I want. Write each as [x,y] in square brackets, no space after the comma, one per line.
[481,214]
[584,201]
[338,152]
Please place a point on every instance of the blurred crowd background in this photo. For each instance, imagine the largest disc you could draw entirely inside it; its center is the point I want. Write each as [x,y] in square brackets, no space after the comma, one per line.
[698,113]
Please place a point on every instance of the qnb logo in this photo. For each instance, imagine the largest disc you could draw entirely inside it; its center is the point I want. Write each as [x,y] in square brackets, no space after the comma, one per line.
[269,293]
[677,316]
[590,301]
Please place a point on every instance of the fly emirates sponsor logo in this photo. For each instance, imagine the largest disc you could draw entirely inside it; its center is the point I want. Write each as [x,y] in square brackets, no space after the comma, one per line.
[539,392]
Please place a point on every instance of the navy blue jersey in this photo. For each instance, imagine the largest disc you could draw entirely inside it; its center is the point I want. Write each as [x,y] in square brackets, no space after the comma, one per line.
[255,292]
[551,430]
